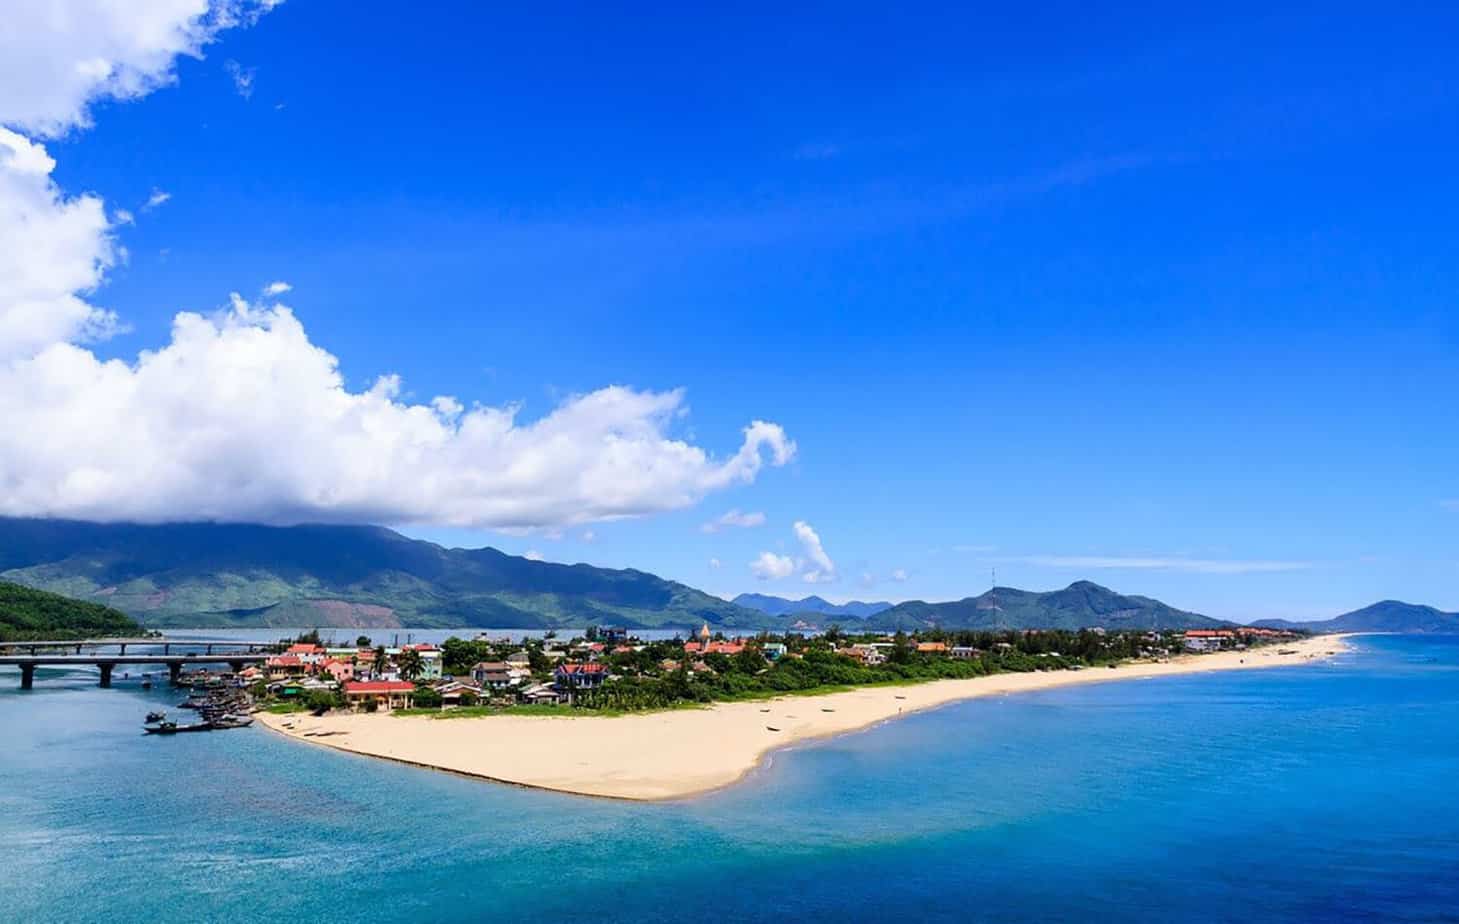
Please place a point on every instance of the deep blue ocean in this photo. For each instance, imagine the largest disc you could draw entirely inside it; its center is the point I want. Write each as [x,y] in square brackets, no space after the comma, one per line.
[1313,793]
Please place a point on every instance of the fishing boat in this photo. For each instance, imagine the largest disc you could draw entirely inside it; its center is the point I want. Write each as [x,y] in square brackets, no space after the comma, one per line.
[154,717]
[172,728]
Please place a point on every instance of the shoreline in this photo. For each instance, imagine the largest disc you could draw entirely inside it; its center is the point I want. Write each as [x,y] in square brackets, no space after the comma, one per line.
[675,754]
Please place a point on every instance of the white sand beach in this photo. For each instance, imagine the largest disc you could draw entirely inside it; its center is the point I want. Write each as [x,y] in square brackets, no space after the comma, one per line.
[677,753]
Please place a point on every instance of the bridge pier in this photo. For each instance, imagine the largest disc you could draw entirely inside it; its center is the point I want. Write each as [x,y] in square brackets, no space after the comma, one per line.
[27,676]
[105,674]
[174,674]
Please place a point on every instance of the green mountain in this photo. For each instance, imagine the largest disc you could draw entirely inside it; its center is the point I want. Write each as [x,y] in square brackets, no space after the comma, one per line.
[1080,605]
[27,613]
[207,574]
[1385,616]
[211,574]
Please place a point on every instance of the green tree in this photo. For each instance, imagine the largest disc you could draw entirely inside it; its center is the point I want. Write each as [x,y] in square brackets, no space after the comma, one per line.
[748,661]
[427,697]
[410,664]
[362,642]
[320,701]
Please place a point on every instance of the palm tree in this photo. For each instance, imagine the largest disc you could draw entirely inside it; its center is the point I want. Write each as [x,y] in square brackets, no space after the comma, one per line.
[410,664]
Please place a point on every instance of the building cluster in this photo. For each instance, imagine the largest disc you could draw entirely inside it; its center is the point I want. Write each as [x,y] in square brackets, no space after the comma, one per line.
[1234,639]
[553,672]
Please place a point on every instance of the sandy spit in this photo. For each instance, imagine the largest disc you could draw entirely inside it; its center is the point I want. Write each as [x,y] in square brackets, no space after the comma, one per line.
[678,753]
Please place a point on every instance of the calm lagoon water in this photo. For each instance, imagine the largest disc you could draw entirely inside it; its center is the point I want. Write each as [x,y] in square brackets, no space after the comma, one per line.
[1312,793]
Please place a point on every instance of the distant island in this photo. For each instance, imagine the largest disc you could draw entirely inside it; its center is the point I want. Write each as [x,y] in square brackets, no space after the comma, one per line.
[810,606]
[28,614]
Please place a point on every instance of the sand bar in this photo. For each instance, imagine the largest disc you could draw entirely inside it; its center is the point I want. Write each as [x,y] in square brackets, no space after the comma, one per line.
[677,753]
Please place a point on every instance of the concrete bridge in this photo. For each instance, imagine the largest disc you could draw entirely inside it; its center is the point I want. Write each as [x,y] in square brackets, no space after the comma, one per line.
[99,652]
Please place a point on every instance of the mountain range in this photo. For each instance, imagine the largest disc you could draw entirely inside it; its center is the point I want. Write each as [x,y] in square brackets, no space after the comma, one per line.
[1385,616]
[784,606]
[225,575]
[208,574]
[1080,605]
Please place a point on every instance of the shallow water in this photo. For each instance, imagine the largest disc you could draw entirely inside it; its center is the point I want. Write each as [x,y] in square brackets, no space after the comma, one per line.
[1323,792]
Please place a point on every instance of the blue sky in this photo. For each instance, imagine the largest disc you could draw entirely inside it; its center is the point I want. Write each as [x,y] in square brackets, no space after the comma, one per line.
[1157,299]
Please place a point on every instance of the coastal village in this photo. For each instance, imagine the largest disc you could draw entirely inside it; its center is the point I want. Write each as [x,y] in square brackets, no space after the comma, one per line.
[608,668]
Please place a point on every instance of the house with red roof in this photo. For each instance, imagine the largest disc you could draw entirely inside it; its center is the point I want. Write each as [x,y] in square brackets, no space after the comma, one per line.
[386,694]
[340,669]
[588,676]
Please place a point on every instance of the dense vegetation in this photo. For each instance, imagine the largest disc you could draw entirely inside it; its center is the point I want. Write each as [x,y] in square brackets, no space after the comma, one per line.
[27,613]
[658,675]
[813,666]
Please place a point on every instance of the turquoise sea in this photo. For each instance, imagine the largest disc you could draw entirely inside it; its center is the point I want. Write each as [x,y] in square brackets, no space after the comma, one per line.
[1314,793]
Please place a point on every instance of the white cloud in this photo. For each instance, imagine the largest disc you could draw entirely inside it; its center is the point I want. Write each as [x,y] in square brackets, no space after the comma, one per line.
[772,567]
[1193,565]
[817,567]
[715,563]
[242,77]
[59,56]
[899,575]
[588,535]
[53,250]
[533,555]
[734,518]
[277,288]
[814,565]
[157,198]
[240,416]
[123,217]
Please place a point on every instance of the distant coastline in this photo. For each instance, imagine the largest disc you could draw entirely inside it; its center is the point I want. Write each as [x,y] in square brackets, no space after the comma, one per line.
[680,753]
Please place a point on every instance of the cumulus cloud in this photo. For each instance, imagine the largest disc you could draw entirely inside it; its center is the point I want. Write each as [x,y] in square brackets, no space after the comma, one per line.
[772,567]
[734,519]
[53,250]
[240,416]
[57,57]
[813,564]
[277,288]
[817,567]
